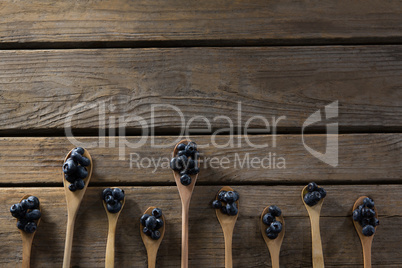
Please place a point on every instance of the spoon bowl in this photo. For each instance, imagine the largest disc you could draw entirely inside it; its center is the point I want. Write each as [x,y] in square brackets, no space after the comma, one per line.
[152,245]
[185,193]
[110,246]
[274,245]
[227,223]
[27,239]
[366,241]
[314,214]
[73,203]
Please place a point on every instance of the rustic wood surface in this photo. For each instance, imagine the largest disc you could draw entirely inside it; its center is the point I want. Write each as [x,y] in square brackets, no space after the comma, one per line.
[341,245]
[39,88]
[249,22]
[363,158]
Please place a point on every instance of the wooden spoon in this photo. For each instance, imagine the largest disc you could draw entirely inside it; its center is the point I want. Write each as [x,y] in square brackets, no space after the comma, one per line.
[73,204]
[365,240]
[227,223]
[152,245]
[274,245]
[27,239]
[314,214]
[185,196]
[112,219]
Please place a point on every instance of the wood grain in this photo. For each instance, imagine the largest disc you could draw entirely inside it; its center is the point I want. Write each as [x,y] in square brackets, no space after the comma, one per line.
[341,244]
[254,21]
[363,158]
[42,91]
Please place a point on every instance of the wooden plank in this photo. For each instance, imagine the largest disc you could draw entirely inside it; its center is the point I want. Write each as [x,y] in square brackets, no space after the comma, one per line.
[362,158]
[254,21]
[44,90]
[341,244]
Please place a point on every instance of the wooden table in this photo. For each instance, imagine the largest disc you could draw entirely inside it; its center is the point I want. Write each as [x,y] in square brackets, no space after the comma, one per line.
[91,63]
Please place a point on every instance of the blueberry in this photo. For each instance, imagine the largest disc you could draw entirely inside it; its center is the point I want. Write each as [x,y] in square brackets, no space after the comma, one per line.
[221,196]
[69,167]
[185,180]
[155,235]
[190,164]
[217,204]
[275,211]
[229,197]
[231,209]
[322,192]
[376,222]
[157,213]
[236,196]
[316,196]
[82,172]
[110,200]
[194,171]
[30,227]
[146,231]
[159,223]
[368,230]
[71,178]
[270,234]
[223,210]
[268,218]
[33,215]
[182,161]
[365,212]
[368,202]
[83,161]
[174,164]
[181,147]
[72,188]
[191,148]
[118,194]
[150,223]
[309,199]
[16,210]
[79,150]
[24,204]
[79,184]
[143,219]
[356,215]
[106,192]
[370,213]
[114,208]
[276,227]
[180,153]
[21,224]
[32,202]
[312,186]
[365,221]
[183,172]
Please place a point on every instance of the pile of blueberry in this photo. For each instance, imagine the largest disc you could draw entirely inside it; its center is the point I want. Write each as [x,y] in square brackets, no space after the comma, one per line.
[152,223]
[365,215]
[269,219]
[314,194]
[113,198]
[74,169]
[186,162]
[27,212]
[226,202]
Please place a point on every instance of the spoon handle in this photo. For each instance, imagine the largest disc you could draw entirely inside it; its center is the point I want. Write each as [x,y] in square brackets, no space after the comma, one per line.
[151,258]
[274,252]
[367,253]
[184,234]
[69,241]
[26,252]
[318,258]
[109,259]
[228,249]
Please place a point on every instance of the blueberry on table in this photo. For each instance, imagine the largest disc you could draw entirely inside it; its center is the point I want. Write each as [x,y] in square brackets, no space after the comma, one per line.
[268,218]
[276,227]
[159,223]
[275,211]
[79,184]
[270,234]
[106,192]
[79,150]
[118,194]
[312,186]
[185,179]
[368,230]
[181,147]
[216,204]
[356,215]
[155,235]
[114,208]
[143,219]
[30,227]
[33,215]
[82,172]
[157,213]
[150,223]
[368,202]
[69,167]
